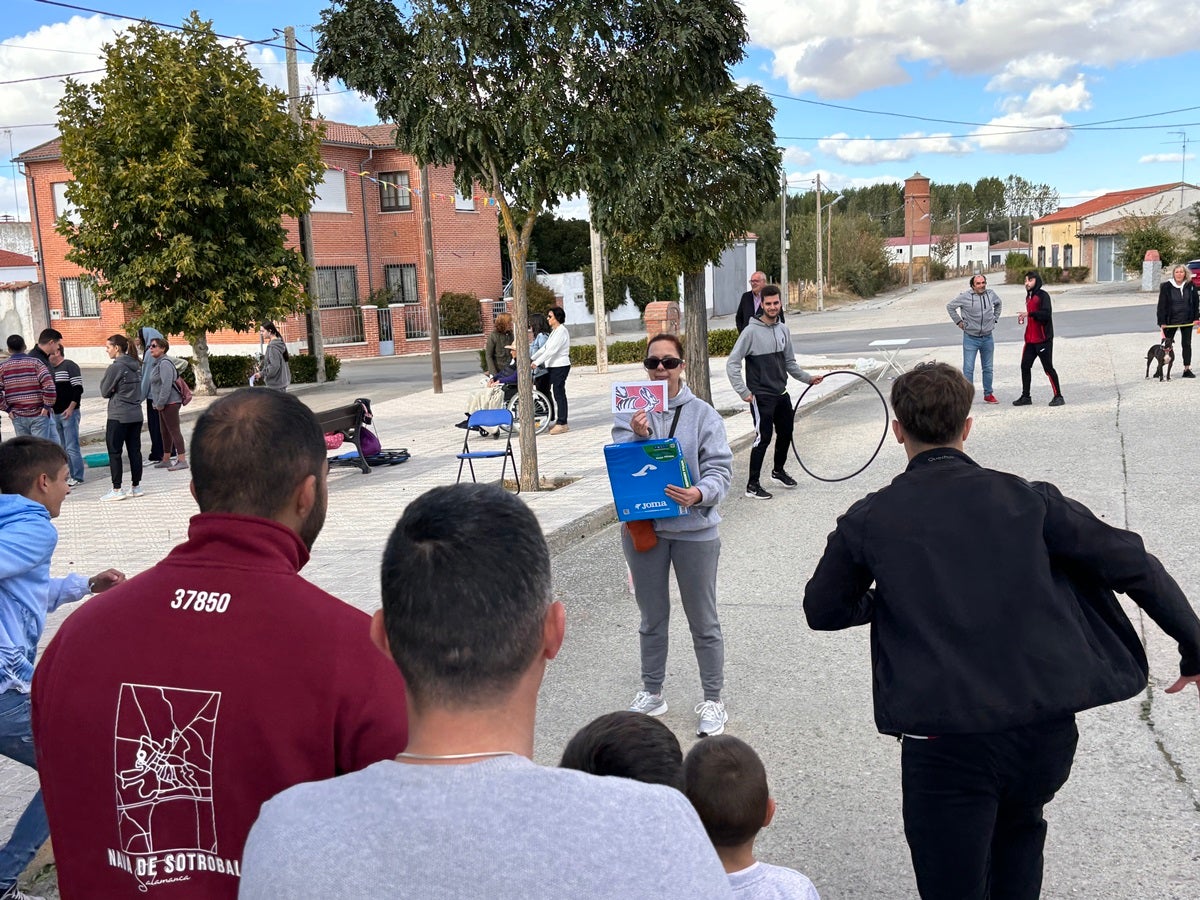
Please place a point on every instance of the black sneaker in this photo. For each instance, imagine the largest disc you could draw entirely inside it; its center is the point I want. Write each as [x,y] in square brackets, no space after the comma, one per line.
[1058,400]
[1188,373]
[754,489]
[783,478]
[1023,400]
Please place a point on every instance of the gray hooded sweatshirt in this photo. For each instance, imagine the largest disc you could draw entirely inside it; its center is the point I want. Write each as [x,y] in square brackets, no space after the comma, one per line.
[122,385]
[978,313]
[701,435]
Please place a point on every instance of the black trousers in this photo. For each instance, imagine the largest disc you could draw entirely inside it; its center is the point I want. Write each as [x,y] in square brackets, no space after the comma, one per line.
[1184,337]
[973,809]
[558,386]
[772,413]
[156,443]
[127,435]
[1045,352]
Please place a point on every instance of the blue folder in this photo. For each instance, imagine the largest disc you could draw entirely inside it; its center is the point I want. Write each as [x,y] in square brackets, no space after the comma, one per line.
[639,472]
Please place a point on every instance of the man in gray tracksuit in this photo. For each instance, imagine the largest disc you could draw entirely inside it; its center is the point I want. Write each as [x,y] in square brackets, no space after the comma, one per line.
[766,346]
[976,312]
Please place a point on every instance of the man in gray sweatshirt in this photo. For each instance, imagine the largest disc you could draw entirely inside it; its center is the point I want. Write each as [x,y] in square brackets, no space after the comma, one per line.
[469,617]
[766,347]
[976,312]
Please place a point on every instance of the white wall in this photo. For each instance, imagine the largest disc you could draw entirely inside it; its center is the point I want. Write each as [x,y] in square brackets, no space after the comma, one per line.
[569,286]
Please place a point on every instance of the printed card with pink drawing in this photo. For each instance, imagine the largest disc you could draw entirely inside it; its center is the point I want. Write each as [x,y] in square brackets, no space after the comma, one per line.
[639,396]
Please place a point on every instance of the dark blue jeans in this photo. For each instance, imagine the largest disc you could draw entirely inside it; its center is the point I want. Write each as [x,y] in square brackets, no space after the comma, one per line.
[973,808]
[31,831]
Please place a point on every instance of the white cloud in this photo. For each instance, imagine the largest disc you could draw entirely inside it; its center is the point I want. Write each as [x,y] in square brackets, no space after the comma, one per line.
[1165,157]
[841,49]
[796,156]
[1007,134]
[867,151]
[1051,99]
[803,181]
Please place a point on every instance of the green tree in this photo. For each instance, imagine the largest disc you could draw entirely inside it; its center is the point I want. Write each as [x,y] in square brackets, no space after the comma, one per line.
[184,163]
[685,202]
[1144,233]
[534,100]
[1191,246]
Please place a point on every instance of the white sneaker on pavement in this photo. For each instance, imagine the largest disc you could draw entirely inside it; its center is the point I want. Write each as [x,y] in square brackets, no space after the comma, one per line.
[648,704]
[712,718]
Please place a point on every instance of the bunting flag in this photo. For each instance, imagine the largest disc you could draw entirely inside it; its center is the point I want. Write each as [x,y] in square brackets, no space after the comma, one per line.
[412,192]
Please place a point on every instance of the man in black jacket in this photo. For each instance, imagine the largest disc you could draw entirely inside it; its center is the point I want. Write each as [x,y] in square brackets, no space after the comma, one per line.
[1038,320]
[981,660]
[751,302]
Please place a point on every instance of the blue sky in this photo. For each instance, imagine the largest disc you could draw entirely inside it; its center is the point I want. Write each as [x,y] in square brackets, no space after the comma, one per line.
[865,90]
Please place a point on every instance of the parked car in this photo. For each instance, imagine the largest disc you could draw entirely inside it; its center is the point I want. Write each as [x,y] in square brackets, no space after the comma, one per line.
[1194,268]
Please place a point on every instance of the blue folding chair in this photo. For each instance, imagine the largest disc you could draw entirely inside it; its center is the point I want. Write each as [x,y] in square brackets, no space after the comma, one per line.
[489,418]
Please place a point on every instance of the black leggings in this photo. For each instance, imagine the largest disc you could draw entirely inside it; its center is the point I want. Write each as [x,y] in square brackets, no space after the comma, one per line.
[1045,352]
[129,436]
[1185,339]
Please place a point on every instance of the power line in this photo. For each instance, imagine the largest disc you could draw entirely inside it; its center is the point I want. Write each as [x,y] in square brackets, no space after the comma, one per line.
[48,77]
[268,42]
[48,49]
[992,133]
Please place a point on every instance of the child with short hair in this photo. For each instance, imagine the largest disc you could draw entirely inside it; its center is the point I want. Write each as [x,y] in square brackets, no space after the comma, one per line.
[628,745]
[33,486]
[727,784]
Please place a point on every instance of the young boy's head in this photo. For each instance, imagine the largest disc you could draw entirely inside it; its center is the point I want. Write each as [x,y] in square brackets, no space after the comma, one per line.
[727,784]
[628,745]
[34,468]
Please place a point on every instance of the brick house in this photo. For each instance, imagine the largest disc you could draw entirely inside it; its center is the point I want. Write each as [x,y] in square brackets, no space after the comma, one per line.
[367,236]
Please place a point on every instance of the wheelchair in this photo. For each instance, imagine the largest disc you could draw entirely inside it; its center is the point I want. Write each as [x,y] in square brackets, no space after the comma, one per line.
[543,409]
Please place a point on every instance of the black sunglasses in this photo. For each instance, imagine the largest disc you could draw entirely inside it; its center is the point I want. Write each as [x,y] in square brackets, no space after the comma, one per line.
[667,362]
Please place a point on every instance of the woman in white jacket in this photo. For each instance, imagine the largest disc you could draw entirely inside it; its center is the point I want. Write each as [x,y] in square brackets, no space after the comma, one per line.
[555,355]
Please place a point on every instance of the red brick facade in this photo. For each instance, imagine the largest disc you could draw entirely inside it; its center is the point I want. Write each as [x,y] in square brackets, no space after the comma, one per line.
[362,237]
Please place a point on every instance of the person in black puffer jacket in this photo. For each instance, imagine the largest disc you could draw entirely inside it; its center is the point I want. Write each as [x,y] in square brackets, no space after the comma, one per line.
[1039,340]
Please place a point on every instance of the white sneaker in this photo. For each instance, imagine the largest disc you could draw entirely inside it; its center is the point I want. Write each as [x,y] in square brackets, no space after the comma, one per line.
[137,491]
[15,893]
[712,718]
[115,494]
[648,704]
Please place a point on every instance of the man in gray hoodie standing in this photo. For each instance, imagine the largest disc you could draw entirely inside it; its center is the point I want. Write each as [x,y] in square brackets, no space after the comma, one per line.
[766,347]
[976,312]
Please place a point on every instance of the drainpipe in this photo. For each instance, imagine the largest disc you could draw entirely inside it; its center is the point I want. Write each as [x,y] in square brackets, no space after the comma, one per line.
[362,184]
[37,231]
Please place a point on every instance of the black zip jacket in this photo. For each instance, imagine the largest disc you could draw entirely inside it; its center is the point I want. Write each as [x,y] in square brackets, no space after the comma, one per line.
[1177,306]
[965,640]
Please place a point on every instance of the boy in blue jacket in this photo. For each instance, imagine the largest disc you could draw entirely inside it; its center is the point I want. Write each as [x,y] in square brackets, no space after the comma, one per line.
[33,485]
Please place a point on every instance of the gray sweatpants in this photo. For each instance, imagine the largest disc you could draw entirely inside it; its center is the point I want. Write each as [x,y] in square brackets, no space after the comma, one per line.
[695,565]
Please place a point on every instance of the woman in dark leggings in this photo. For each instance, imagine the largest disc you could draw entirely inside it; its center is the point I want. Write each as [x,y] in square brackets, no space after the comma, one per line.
[167,400]
[122,385]
[555,355]
[1178,308]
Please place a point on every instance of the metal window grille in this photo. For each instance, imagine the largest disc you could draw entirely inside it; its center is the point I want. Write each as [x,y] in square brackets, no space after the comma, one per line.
[79,299]
[401,282]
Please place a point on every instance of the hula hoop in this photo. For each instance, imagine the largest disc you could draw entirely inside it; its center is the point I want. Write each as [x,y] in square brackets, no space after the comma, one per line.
[878,447]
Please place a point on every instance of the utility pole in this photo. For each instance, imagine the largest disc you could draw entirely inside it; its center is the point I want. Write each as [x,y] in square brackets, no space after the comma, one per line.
[316,344]
[1182,164]
[958,239]
[599,310]
[435,321]
[909,226]
[783,240]
[829,245]
[820,283]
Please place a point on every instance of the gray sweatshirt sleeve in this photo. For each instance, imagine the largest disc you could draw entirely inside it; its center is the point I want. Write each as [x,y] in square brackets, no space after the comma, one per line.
[161,383]
[995,304]
[733,367]
[716,461]
[954,307]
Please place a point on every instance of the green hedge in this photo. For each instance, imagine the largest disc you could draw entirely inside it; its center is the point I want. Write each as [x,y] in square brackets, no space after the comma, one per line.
[459,314]
[234,371]
[304,368]
[721,341]
[1049,274]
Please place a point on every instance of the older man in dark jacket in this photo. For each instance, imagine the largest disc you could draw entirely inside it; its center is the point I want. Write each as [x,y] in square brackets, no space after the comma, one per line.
[981,660]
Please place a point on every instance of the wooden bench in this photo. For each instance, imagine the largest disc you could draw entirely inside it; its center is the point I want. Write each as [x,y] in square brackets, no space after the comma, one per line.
[348,422]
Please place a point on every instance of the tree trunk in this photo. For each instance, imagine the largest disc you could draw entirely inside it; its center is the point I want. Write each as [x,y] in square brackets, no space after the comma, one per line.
[695,330]
[204,380]
[527,439]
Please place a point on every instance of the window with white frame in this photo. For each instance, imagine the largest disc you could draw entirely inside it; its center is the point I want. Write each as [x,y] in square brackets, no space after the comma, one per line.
[402,282]
[63,206]
[331,192]
[464,202]
[79,299]
[394,192]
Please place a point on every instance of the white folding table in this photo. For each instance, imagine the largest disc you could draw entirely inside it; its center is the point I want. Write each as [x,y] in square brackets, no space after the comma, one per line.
[890,348]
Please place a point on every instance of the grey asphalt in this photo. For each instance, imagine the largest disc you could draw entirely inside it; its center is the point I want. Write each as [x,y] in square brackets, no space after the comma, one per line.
[1126,825]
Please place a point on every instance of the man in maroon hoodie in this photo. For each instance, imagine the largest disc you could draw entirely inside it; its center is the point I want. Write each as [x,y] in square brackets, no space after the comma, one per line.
[165,713]
[1039,340]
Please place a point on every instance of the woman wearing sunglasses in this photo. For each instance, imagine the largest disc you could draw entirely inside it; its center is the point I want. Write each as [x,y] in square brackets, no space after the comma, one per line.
[689,543]
[555,355]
